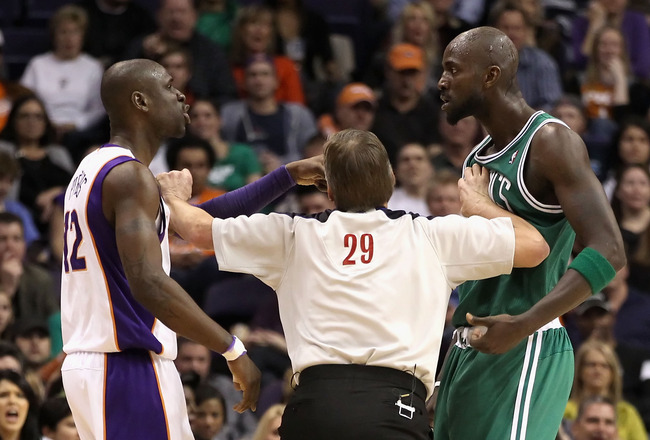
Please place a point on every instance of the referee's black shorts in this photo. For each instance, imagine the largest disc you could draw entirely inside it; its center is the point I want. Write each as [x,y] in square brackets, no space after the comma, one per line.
[356,402]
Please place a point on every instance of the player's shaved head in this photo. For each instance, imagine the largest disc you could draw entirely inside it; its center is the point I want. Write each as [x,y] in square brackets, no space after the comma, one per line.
[122,79]
[487,46]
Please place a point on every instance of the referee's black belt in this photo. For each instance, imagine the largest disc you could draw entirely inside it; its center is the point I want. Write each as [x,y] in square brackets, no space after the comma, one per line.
[397,378]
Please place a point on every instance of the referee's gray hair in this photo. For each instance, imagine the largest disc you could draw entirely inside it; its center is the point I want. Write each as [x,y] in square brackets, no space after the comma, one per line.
[358,170]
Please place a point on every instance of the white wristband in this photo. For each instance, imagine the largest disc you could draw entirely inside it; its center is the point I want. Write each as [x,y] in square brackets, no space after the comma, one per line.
[235,350]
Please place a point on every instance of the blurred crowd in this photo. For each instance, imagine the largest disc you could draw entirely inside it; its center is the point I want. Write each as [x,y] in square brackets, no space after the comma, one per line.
[267,82]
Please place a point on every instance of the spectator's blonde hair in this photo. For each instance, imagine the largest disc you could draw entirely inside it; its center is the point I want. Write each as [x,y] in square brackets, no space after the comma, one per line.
[72,13]
[592,71]
[615,388]
[358,171]
[246,15]
[269,415]
[431,47]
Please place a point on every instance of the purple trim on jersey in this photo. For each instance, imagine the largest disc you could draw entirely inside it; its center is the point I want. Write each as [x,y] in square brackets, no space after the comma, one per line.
[133,323]
[249,199]
[132,401]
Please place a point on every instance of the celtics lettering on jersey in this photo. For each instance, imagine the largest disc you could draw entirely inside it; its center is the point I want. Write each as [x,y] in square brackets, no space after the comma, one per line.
[515,293]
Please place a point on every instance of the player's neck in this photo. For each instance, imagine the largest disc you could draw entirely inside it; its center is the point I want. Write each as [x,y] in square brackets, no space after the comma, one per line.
[142,148]
[504,124]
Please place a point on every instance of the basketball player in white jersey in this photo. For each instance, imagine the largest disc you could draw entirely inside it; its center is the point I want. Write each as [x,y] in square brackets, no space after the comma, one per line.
[362,290]
[120,309]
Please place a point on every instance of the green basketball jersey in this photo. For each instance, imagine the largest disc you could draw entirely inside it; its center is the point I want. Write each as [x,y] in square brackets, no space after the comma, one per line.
[515,293]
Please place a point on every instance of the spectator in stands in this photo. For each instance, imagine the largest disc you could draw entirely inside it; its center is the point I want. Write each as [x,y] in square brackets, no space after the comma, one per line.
[11,358]
[632,25]
[597,137]
[413,174]
[18,408]
[112,25]
[211,77]
[456,142]
[269,424]
[311,200]
[32,337]
[631,206]
[355,108]
[277,130]
[404,113]
[631,307]
[415,25]
[631,145]
[236,163]
[210,414]
[9,174]
[216,18]
[178,62]
[46,167]
[605,84]
[29,286]
[194,357]
[538,75]
[447,25]
[602,318]
[631,336]
[596,419]
[303,35]
[598,373]
[254,35]
[66,79]
[443,196]
[9,90]
[55,420]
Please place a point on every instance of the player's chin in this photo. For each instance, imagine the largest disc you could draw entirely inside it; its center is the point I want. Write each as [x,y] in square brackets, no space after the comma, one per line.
[180,131]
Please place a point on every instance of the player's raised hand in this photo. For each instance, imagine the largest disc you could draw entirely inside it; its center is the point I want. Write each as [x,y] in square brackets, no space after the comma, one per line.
[175,184]
[246,377]
[473,189]
[495,334]
[310,171]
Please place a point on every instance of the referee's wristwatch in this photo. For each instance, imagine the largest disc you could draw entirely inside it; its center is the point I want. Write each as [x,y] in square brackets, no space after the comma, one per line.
[235,350]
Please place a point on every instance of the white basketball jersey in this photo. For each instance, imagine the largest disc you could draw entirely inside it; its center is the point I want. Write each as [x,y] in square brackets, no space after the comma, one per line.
[364,288]
[98,310]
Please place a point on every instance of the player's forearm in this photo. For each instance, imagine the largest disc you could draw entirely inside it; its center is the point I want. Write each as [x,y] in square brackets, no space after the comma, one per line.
[569,292]
[530,247]
[169,303]
[191,223]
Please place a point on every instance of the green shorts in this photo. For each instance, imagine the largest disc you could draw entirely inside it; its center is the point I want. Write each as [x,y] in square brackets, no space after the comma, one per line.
[517,395]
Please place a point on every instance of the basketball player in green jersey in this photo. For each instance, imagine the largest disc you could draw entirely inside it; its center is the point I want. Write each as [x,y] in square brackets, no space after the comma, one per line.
[513,380]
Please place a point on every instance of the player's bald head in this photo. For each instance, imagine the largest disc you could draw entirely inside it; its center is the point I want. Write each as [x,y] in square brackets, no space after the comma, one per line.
[487,46]
[123,78]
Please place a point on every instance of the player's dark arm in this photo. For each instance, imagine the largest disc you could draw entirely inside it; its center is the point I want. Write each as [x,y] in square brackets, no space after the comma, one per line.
[131,202]
[561,157]
[559,161]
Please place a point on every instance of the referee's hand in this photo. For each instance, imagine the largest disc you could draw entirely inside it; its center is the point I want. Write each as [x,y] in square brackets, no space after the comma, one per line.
[246,377]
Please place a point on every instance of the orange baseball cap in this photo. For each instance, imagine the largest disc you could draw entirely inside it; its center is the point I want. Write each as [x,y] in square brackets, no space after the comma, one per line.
[406,56]
[355,93]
